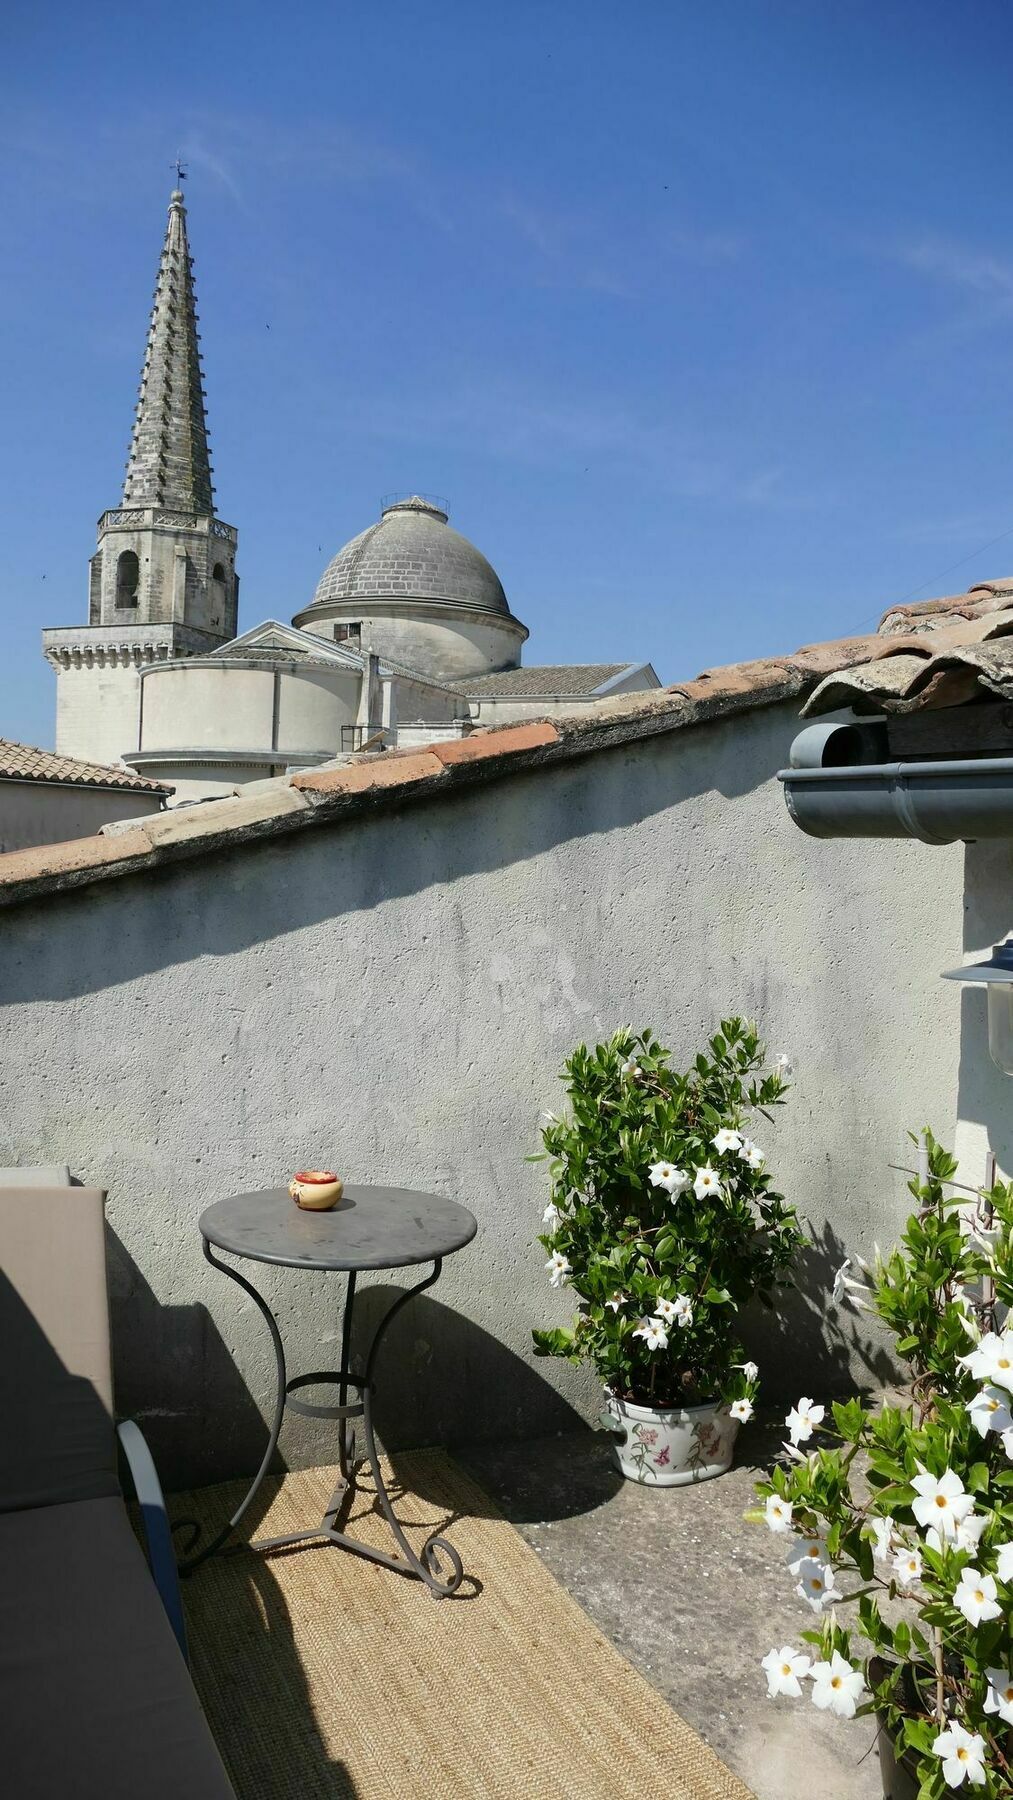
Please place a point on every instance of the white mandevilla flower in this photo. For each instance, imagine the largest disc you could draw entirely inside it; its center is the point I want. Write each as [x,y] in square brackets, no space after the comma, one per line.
[999,1698]
[817,1585]
[990,1410]
[806,1550]
[751,1155]
[907,1567]
[558,1266]
[683,1310]
[777,1513]
[741,1410]
[665,1309]
[726,1139]
[837,1686]
[838,1290]
[616,1301]
[630,1068]
[991,1360]
[666,1175]
[883,1534]
[653,1333]
[963,1756]
[803,1420]
[847,1288]
[785,1669]
[1004,1564]
[750,1370]
[551,1216]
[984,1231]
[974,1596]
[784,1067]
[966,1536]
[708,1181]
[942,1502]
[1006,1439]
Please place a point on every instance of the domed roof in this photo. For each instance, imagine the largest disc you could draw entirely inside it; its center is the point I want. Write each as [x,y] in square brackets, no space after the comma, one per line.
[411,553]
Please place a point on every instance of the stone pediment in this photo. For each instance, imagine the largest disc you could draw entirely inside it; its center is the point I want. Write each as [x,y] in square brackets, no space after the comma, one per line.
[273,639]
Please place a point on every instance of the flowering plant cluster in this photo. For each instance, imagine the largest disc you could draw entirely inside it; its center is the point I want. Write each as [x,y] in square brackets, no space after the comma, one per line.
[662,1218]
[913,1504]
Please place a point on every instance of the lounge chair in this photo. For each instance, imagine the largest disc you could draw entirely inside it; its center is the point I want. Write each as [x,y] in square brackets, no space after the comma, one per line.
[96,1701]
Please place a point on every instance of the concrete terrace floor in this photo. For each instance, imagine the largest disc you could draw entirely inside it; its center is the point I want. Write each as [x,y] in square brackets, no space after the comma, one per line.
[692,1595]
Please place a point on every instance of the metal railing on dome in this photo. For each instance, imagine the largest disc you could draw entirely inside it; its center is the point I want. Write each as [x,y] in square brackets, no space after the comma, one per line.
[439,501]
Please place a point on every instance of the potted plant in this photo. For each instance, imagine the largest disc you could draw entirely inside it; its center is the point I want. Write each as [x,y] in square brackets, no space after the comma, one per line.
[913,1503]
[664,1224]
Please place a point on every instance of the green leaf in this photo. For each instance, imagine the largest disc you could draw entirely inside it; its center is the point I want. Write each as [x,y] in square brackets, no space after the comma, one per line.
[977,1478]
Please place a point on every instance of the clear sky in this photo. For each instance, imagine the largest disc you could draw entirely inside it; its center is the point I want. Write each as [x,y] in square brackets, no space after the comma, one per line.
[700,314]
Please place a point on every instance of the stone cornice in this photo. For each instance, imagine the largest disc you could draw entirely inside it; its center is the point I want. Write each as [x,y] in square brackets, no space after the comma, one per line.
[124,646]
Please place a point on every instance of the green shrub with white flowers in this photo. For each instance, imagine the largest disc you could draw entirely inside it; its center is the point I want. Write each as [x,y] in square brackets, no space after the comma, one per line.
[913,1503]
[663,1220]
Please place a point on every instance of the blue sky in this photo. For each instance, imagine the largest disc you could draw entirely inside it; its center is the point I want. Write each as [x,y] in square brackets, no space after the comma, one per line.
[701,315]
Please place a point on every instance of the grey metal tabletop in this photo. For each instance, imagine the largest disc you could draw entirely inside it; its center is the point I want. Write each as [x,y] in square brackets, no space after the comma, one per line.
[370,1228]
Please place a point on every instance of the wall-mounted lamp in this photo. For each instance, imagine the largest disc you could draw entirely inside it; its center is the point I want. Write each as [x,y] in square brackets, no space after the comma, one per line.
[997,976]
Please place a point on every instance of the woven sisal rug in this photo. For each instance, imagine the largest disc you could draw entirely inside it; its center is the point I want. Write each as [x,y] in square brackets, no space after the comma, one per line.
[326,1677]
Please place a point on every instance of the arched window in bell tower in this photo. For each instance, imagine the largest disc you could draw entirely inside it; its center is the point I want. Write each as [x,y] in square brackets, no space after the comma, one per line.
[128,575]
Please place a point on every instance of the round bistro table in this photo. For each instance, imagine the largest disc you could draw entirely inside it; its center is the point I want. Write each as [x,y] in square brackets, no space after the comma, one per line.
[370,1228]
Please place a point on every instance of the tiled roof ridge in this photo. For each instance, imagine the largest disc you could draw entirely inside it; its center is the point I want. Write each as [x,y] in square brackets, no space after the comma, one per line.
[352,785]
[935,654]
[509,682]
[25,762]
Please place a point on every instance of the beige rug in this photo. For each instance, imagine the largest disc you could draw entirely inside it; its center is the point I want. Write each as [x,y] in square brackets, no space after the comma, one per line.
[326,1677]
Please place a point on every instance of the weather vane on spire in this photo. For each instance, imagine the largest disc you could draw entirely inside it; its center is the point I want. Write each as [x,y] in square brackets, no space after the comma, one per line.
[180,169]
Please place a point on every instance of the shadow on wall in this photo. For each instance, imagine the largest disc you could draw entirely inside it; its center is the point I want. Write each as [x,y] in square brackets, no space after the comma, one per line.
[254,896]
[186,1393]
[440,1379]
[811,1345]
[985,1094]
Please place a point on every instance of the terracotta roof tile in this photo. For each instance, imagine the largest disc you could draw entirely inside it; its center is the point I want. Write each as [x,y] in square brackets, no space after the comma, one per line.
[933,654]
[392,770]
[505,740]
[23,762]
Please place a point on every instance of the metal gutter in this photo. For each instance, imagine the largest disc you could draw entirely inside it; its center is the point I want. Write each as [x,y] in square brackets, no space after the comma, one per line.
[937,802]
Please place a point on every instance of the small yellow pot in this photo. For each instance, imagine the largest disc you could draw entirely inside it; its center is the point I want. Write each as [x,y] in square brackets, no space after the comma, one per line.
[316,1190]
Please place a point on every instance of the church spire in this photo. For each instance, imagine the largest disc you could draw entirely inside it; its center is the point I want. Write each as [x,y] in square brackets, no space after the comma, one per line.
[169,464]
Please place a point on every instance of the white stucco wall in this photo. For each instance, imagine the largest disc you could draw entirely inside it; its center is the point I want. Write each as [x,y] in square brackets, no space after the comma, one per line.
[246,706]
[445,642]
[393,996]
[96,711]
[985,1095]
[47,812]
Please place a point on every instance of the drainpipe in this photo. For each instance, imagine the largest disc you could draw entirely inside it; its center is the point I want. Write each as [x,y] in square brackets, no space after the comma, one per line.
[829,795]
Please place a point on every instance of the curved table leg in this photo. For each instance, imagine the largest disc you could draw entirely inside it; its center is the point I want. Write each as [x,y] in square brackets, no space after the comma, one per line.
[428,1567]
[197,1557]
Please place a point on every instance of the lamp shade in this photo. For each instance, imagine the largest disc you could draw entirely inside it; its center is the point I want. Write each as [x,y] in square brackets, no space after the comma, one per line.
[997,975]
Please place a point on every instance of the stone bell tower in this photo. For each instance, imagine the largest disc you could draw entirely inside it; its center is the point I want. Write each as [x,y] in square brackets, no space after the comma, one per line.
[162,582]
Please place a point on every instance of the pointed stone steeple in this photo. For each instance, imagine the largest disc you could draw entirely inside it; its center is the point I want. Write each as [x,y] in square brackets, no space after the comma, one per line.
[169,463]
[162,583]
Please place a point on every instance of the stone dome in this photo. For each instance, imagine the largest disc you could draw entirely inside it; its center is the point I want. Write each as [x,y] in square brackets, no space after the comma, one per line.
[411,553]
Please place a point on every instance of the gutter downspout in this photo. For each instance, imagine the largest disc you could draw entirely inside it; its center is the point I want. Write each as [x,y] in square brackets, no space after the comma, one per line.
[936,802]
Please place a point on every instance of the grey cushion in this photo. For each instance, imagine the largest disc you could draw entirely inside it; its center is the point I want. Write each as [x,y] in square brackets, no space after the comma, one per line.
[57,1441]
[95,1699]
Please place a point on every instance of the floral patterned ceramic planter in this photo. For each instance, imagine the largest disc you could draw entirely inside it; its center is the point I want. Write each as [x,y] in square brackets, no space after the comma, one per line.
[670,1449]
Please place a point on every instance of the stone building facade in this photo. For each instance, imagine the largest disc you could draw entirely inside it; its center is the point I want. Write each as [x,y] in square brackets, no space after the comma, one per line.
[406,640]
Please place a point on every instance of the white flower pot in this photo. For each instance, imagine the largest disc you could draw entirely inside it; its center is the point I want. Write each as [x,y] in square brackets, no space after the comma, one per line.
[670,1449]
